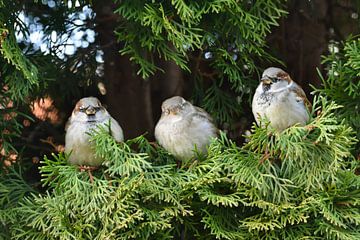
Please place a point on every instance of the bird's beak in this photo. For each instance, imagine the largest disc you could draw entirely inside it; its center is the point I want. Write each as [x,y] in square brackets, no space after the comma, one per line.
[173,112]
[90,111]
[266,80]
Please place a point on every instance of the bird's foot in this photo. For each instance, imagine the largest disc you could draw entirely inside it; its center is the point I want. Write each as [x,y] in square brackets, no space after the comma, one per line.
[84,168]
[88,169]
[178,163]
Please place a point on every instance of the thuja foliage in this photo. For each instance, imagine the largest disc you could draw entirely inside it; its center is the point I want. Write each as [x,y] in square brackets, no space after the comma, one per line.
[296,184]
[342,84]
[18,77]
[226,36]
[18,73]
[28,73]
[173,29]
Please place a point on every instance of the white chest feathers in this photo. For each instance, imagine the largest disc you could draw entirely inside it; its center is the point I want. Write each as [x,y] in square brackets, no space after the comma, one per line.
[78,145]
[181,135]
[283,109]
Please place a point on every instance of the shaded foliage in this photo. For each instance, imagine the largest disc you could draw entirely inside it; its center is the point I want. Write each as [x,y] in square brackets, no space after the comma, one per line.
[296,184]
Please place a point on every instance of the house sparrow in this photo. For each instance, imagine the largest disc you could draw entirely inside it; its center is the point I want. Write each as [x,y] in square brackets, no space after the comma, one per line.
[87,114]
[183,128]
[281,100]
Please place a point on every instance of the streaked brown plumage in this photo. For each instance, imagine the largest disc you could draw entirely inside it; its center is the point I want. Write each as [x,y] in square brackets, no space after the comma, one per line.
[281,100]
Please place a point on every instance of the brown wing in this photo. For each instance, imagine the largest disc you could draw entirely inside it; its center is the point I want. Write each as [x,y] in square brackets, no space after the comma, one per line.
[301,96]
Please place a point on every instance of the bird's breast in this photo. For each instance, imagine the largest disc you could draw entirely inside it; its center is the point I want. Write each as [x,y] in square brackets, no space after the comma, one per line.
[285,112]
[181,137]
[265,98]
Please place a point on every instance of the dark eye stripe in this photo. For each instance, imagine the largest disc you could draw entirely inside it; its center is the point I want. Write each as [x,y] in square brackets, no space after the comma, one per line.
[274,79]
[83,109]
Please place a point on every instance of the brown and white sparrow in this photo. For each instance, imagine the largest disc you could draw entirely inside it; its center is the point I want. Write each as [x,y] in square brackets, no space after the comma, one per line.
[183,128]
[281,100]
[88,114]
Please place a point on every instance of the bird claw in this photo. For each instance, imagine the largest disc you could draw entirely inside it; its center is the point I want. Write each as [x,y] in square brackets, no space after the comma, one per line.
[84,168]
[88,169]
[178,163]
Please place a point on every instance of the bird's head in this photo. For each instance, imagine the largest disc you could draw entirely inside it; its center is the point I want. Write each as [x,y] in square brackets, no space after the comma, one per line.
[274,79]
[89,109]
[175,106]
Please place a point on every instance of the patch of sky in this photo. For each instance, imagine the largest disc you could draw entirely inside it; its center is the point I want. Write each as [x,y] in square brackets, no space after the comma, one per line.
[61,44]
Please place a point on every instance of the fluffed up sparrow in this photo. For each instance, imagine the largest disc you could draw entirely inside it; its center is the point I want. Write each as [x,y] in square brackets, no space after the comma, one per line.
[88,114]
[183,128]
[281,100]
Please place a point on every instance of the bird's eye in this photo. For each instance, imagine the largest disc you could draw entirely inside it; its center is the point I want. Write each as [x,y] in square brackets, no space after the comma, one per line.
[183,105]
[97,108]
[82,109]
[275,79]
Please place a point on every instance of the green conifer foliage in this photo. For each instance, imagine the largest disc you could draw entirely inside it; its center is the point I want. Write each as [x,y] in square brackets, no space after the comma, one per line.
[342,83]
[295,184]
[228,35]
[290,185]
[18,77]
[303,181]
[172,29]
